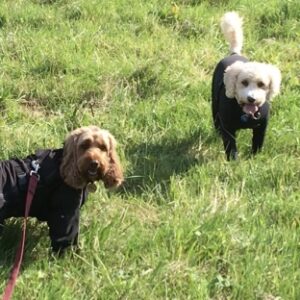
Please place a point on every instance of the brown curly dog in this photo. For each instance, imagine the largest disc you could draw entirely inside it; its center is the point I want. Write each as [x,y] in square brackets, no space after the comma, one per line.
[89,155]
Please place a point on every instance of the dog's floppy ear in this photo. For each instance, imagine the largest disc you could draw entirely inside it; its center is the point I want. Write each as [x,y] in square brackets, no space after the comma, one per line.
[230,78]
[275,80]
[114,175]
[68,166]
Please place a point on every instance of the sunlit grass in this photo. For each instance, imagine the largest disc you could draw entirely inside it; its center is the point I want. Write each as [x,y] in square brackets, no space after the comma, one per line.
[187,224]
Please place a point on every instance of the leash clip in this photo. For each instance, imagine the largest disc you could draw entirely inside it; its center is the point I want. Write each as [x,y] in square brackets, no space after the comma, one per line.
[35,165]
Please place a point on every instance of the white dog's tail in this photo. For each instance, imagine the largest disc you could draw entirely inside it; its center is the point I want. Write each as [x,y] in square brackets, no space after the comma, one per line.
[232,28]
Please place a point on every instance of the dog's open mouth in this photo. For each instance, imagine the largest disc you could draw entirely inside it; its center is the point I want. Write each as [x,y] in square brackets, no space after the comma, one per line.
[251,110]
[92,173]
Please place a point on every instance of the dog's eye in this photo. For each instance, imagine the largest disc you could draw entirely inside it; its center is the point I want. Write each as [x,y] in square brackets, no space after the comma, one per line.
[85,145]
[103,147]
[245,83]
[260,84]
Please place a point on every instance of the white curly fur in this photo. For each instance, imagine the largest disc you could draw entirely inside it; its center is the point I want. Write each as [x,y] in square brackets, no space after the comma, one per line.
[232,28]
[230,78]
[263,80]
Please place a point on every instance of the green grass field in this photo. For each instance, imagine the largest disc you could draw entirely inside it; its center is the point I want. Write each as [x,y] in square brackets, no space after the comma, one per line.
[187,224]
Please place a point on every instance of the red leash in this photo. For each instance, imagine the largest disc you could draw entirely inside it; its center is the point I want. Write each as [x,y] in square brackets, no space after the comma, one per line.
[34,178]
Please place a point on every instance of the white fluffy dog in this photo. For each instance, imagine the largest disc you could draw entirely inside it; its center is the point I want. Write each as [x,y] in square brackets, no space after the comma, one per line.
[241,90]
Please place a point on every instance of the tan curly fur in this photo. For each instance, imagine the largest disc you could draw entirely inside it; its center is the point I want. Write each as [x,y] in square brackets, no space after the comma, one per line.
[90,155]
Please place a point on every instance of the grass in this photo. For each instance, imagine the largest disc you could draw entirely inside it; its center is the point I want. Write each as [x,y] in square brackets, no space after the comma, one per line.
[187,224]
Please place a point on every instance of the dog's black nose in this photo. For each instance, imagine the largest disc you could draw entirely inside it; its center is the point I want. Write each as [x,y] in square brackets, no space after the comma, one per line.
[94,164]
[250,99]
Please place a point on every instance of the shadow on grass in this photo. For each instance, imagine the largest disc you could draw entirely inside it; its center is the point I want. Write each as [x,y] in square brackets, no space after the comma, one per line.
[154,164]
[10,239]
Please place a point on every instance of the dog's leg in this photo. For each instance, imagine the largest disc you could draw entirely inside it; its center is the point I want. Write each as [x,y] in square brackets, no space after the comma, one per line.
[63,229]
[229,143]
[258,137]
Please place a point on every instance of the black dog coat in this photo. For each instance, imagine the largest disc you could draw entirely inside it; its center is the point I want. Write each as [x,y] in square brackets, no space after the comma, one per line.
[54,202]
[228,115]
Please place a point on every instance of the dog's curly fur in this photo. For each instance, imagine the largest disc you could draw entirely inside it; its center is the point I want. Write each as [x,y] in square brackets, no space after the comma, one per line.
[259,81]
[90,155]
[265,79]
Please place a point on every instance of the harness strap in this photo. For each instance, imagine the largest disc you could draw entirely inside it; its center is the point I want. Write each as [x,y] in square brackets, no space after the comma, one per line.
[33,181]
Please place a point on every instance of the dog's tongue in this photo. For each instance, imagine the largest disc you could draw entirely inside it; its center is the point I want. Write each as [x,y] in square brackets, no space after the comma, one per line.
[250,109]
